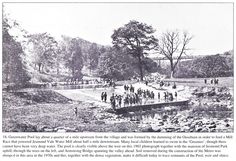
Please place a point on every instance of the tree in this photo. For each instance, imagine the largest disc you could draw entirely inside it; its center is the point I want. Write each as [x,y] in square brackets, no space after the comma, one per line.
[114,64]
[211,66]
[93,55]
[137,38]
[173,46]
[44,49]
[207,66]
[149,65]
[73,58]
[13,69]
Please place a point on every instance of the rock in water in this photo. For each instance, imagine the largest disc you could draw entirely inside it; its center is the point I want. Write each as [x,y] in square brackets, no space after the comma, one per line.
[61,130]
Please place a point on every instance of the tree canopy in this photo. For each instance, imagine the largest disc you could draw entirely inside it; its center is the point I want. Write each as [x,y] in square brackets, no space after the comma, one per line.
[13,69]
[114,64]
[137,38]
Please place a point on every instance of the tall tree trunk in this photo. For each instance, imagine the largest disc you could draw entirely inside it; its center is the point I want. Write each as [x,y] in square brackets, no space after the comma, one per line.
[39,65]
[7,71]
[172,69]
[140,68]
[73,72]
[42,69]
[58,70]
[172,74]
[90,66]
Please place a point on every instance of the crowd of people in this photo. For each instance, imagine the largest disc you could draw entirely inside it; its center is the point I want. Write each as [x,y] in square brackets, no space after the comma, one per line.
[130,97]
[168,96]
[138,97]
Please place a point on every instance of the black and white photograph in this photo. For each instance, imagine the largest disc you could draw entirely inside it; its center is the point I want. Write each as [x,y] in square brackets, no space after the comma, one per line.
[118,67]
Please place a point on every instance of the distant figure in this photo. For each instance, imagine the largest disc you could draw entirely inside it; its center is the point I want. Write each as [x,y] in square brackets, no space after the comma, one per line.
[211,81]
[131,88]
[114,85]
[216,81]
[146,82]
[137,98]
[130,100]
[76,111]
[105,96]
[171,97]
[205,80]
[152,95]
[113,102]
[174,86]
[102,96]
[165,96]
[176,95]
[119,100]
[125,87]
[159,96]
[126,101]
[161,83]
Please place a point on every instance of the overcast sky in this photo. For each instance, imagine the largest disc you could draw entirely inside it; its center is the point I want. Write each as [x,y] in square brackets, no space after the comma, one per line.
[211,24]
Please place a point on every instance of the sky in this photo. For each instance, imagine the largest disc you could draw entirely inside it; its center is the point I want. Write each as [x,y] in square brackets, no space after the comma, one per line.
[211,24]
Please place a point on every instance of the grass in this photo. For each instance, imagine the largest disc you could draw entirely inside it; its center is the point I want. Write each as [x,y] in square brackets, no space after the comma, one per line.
[22,115]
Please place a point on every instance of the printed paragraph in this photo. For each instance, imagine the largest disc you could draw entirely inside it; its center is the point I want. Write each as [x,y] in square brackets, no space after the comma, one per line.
[71,146]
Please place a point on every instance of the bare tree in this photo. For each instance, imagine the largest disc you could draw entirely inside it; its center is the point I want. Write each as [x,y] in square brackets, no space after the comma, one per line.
[173,46]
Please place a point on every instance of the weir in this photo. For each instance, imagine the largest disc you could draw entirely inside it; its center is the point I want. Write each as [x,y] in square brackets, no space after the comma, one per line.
[151,106]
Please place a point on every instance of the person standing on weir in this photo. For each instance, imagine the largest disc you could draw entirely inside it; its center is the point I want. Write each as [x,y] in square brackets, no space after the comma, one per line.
[102,96]
[105,96]
[113,102]
[176,95]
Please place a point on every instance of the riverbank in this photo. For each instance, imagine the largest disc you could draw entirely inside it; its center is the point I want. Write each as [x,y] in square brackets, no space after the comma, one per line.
[210,110]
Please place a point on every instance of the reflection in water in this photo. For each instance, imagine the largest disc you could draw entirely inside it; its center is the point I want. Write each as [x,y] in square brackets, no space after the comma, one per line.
[152,115]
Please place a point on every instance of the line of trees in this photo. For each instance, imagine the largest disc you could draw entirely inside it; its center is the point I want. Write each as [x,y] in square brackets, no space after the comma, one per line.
[127,58]
[40,57]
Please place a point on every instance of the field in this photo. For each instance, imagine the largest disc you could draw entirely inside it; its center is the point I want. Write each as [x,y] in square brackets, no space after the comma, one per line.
[210,110]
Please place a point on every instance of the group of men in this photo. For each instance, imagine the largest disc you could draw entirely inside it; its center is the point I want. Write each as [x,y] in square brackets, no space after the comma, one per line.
[146,93]
[168,96]
[212,81]
[130,97]
[115,100]
[128,88]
